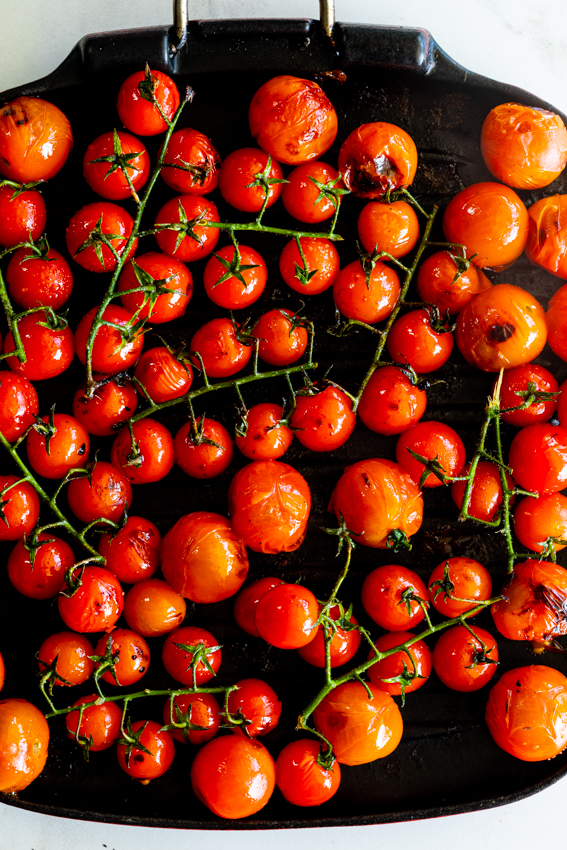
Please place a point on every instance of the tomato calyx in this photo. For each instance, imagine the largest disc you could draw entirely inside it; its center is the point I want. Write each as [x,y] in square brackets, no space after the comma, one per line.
[131,739]
[196,435]
[234,267]
[184,227]
[96,239]
[346,538]
[120,160]
[49,676]
[32,543]
[19,188]
[531,395]
[397,540]
[199,654]
[432,466]
[263,181]
[105,663]
[445,586]
[548,551]
[182,720]
[405,678]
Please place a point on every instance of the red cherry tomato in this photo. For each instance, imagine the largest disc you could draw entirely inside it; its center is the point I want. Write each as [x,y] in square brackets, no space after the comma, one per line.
[532,608]
[344,644]
[376,498]
[413,340]
[203,559]
[65,447]
[24,739]
[366,302]
[286,616]
[163,374]
[165,272]
[179,648]
[218,344]
[191,163]
[390,402]
[189,211]
[392,228]
[155,448]
[416,660]
[434,441]
[18,405]
[538,457]
[555,318]
[321,259]
[22,216]
[463,661]
[537,520]
[203,449]
[200,710]
[457,585]
[486,493]
[266,438]
[304,199]
[35,140]
[39,280]
[514,391]
[97,603]
[49,350]
[301,779]
[152,608]
[107,494]
[132,554]
[547,245]
[45,577]
[269,503]
[440,283]
[156,756]
[228,282]
[110,175]
[281,344]
[112,404]
[258,704]
[323,421]
[239,184]
[143,101]
[247,600]
[377,157]
[71,654]
[21,511]
[131,656]
[84,245]
[99,726]
[394,597]
[110,352]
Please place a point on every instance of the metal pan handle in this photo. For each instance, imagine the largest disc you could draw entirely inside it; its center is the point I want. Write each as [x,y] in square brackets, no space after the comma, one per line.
[181,18]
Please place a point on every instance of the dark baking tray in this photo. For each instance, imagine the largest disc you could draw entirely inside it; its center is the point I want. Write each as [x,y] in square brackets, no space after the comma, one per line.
[447,762]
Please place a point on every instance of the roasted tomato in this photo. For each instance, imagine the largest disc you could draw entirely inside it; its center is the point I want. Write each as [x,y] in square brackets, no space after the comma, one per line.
[24,738]
[222,353]
[132,554]
[191,163]
[486,493]
[159,272]
[540,524]
[547,240]
[105,492]
[240,184]
[517,386]
[247,601]
[189,238]
[392,228]
[20,509]
[39,279]
[413,664]
[556,314]
[111,353]
[203,559]
[18,405]
[152,608]
[99,726]
[163,374]
[319,270]
[395,597]
[70,656]
[257,703]
[524,146]
[293,119]
[434,441]
[457,585]
[35,140]
[203,448]
[235,280]
[152,754]
[283,339]
[377,157]
[192,718]
[390,402]
[179,649]
[130,657]
[147,100]
[84,230]
[112,404]
[301,779]
[366,301]
[534,605]
[323,419]
[40,573]
[538,457]
[440,283]
[465,661]
[116,165]
[413,340]
[269,503]
[49,347]
[96,603]
[154,449]
[343,645]
[286,616]
[266,437]
[57,444]
[307,195]
[22,216]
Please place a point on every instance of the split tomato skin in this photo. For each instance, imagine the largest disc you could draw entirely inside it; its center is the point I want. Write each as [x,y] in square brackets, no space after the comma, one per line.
[140,115]
[112,404]
[301,780]
[107,494]
[35,140]
[97,603]
[377,157]
[416,659]
[533,605]
[188,147]
[21,216]
[24,741]
[526,712]
[547,239]
[18,405]
[390,402]
[133,553]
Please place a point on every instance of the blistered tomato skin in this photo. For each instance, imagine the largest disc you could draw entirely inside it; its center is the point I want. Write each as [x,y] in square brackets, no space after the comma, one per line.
[133,553]
[324,421]
[547,240]
[112,403]
[390,403]
[538,457]
[301,780]
[191,163]
[514,392]
[377,157]
[18,405]
[501,328]
[21,509]
[269,504]
[431,440]
[21,216]
[524,146]
[105,493]
[96,605]
[533,605]
[393,228]
[439,283]
[24,739]
[152,608]
[286,616]
[384,593]
[292,119]
[163,375]
[376,497]
[417,659]
[491,221]
[35,140]
[366,302]
[526,712]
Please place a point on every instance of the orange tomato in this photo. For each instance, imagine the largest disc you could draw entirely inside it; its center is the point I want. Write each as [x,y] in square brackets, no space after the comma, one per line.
[547,239]
[556,323]
[537,519]
[377,157]
[301,779]
[436,283]
[417,659]
[533,606]
[2,672]
[24,738]
[390,402]
[366,302]
[152,608]
[486,493]
[35,139]
[72,653]
[99,723]
[393,228]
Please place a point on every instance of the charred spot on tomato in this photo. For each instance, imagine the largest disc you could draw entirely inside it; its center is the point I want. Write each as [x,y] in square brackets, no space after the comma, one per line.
[500,333]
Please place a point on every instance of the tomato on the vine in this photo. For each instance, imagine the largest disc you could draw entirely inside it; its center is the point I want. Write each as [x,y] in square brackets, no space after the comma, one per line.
[222,352]
[22,216]
[344,643]
[433,441]
[257,703]
[150,756]
[56,445]
[49,347]
[99,727]
[18,405]
[40,573]
[532,607]
[240,181]
[486,493]
[441,283]
[188,238]
[163,374]
[517,385]
[317,273]
[197,710]
[20,511]
[130,656]
[266,437]
[191,163]
[161,273]
[178,652]
[304,199]
[538,457]
[282,337]
[154,452]
[458,584]
[323,418]
[394,597]
[146,101]
[286,616]
[247,601]
[116,165]
[95,604]
[363,300]
[203,448]
[104,492]
[376,158]
[393,228]
[391,402]
[113,403]
[465,660]
[86,230]
[113,351]
[540,524]
[301,779]
[235,280]
[413,340]
[70,656]
[412,664]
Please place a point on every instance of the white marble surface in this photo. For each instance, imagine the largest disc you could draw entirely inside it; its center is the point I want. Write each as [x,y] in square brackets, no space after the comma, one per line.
[516,41]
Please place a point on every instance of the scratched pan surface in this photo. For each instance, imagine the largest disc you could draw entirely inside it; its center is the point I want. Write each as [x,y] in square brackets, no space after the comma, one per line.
[446,762]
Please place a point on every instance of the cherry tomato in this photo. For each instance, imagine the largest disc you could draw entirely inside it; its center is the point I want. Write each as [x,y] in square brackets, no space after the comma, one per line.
[377,157]
[18,405]
[143,101]
[321,258]
[547,245]
[163,374]
[222,352]
[106,492]
[116,165]
[561,403]
[490,221]
[300,777]
[538,457]
[266,438]
[413,340]
[392,228]
[191,163]
[233,776]
[24,738]
[304,199]
[524,146]
[239,184]
[45,577]
[463,661]
[514,391]
[394,597]
[376,498]
[235,281]
[22,216]
[2,672]
[258,704]
[197,240]
[438,283]
[131,654]
[416,660]
[526,712]
[203,449]
[132,554]
[154,445]
[555,317]
[65,447]
[434,441]
[390,402]
[286,616]
[85,245]
[49,350]
[71,654]
[360,729]
[532,608]
[179,648]
[292,119]
[111,353]
[457,584]
[156,756]
[323,421]
[247,600]
[158,270]
[113,403]
[35,140]
[486,493]
[366,302]
[96,604]
[343,646]
[203,559]
[269,504]
[21,511]
[99,726]
[283,339]
[536,520]
[35,280]
[199,710]
[152,608]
